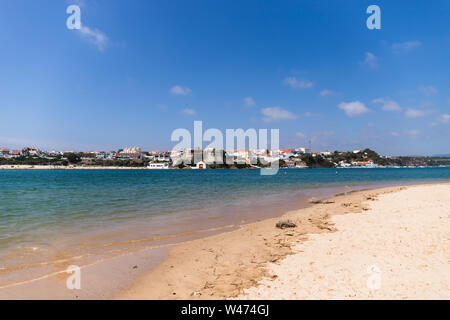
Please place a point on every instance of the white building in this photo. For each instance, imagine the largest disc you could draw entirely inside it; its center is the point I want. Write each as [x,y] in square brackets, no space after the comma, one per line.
[162,158]
[4,152]
[364,164]
[201,165]
[344,164]
[132,150]
[303,150]
[326,153]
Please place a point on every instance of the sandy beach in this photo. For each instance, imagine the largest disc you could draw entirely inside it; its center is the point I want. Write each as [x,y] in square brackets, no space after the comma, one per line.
[389,243]
[386,243]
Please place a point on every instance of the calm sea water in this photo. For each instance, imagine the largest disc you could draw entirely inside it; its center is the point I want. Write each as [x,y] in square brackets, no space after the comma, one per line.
[36,202]
[39,208]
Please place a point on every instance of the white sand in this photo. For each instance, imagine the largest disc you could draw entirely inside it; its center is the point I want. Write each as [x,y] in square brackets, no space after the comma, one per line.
[399,249]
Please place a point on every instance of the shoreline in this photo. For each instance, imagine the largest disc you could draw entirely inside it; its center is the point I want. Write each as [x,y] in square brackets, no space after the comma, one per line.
[75,167]
[217,265]
[70,167]
[147,254]
[223,266]
[143,250]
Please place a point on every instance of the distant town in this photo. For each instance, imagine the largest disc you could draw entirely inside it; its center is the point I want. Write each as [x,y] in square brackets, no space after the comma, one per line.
[134,157]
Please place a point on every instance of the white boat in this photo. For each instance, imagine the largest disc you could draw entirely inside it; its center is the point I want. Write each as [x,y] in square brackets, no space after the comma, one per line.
[158,165]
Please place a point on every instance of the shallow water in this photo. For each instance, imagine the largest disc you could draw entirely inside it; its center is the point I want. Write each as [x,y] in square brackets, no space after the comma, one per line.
[51,218]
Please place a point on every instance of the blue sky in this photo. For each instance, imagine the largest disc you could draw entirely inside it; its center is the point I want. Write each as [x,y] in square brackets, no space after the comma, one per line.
[140,69]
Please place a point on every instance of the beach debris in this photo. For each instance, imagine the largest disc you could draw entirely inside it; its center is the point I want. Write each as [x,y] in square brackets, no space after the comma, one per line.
[324,226]
[285,224]
[314,200]
[317,201]
[346,204]
[135,267]
[196,293]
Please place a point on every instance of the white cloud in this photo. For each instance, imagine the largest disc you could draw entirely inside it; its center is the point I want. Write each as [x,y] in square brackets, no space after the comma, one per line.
[301,135]
[95,36]
[412,133]
[388,105]
[370,60]
[188,111]
[277,113]
[394,134]
[249,102]
[414,113]
[406,46]
[298,84]
[353,109]
[308,114]
[326,92]
[445,118]
[180,91]
[428,90]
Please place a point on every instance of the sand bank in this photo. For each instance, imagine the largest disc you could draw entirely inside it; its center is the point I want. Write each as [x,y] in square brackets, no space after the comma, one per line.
[386,243]
[69,167]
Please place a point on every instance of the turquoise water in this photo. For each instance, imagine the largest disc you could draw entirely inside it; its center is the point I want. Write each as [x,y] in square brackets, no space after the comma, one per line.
[39,202]
[44,209]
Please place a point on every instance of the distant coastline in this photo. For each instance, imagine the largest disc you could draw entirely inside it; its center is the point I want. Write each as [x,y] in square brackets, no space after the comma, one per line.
[50,167]
[210,158]
[74,167]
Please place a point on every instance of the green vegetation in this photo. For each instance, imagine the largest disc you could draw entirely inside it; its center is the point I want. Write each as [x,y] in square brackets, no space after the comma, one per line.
[420,161]
[370,155]
[34,161]
[73,158]
[317,161]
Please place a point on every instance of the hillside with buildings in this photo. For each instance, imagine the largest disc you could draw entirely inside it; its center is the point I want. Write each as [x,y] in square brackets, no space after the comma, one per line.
[214,158]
